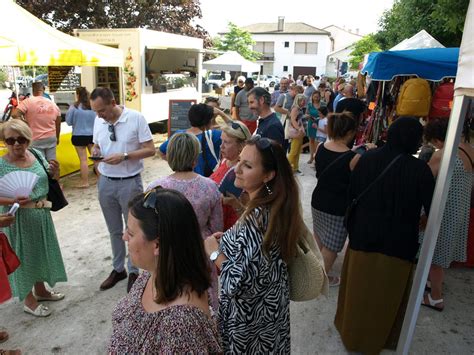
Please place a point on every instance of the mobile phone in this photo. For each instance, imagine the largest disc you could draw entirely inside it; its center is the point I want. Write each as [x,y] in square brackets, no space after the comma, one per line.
[95,158]
[13,209]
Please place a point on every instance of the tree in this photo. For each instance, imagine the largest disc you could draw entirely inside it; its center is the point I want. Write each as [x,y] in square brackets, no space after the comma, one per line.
[174,16]
[239,40]
[365,45]
[443,19]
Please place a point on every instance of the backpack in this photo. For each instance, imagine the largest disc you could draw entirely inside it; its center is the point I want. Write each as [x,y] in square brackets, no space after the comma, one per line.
[443,96]
[414,98]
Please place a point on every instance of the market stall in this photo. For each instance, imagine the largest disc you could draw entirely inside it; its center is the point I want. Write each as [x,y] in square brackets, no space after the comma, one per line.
[388,72]
[26,40]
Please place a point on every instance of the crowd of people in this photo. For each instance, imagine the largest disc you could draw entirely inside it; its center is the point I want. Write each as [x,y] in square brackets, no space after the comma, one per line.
[219,282]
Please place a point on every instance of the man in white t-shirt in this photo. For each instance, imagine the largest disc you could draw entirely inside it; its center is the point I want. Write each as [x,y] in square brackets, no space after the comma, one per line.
[122,137]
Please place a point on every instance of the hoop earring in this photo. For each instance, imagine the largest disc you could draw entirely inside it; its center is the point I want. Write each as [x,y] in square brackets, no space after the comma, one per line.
[269,191]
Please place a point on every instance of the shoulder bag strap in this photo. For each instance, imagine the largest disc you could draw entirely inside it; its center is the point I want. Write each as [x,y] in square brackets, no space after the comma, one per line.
[368,188]
[210,144]
[333,163]
[464,151]
[40,161]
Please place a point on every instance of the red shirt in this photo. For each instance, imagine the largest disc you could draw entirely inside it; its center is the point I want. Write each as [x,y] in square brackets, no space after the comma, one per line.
[230,216]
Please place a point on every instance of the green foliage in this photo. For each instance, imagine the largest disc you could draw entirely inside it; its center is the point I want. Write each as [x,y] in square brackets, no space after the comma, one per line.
[362,47]
[443,19]
[3,77]
[239,40]
[174,16]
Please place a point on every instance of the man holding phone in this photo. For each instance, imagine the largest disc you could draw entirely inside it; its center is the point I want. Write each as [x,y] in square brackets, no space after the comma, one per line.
[122,139]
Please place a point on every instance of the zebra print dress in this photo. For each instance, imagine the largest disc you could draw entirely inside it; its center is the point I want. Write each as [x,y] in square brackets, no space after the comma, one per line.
[254,314]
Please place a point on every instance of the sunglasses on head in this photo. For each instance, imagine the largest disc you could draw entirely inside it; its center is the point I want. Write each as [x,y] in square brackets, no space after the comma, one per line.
[236,126]
[149,199]
[12,141]
[112,137]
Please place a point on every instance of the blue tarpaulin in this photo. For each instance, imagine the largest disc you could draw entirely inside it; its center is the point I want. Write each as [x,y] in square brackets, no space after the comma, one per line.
[427,63]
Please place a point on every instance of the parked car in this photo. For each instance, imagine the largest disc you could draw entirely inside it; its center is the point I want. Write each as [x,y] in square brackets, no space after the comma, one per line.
[24,81]
[215,81]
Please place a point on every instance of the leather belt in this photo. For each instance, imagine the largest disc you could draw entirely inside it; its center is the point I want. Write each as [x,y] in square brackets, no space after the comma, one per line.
[121,178]
[37,204]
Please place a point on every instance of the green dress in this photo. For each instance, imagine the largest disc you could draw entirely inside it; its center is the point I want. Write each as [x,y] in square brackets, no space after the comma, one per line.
[33,238]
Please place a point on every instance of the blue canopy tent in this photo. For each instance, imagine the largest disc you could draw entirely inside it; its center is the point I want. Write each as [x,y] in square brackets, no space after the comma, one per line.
[427,63]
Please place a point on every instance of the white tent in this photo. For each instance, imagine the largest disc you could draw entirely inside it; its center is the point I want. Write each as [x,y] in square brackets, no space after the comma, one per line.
[231,61]
[463,99]
[420,40]
[26,40]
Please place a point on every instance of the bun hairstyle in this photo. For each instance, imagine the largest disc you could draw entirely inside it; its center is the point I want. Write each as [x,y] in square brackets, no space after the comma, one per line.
[341,124]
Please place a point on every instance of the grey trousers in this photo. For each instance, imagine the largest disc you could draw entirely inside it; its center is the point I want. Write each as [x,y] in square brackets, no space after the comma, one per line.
[47,146]
[114,196]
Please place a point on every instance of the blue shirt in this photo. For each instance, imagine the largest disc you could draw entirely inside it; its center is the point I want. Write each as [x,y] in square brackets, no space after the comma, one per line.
[271,127]
[81,120]
[336,101]
[212,162]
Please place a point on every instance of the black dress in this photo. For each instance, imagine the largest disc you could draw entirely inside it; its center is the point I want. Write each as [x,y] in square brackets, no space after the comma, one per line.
[383,241]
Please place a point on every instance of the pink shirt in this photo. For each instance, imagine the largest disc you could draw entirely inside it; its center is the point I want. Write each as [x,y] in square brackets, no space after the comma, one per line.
[41,114]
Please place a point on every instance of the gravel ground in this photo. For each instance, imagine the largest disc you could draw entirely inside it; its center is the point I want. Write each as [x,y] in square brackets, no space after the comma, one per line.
[81,324]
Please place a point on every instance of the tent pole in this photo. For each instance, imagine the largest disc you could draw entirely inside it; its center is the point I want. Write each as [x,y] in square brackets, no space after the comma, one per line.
[438,203]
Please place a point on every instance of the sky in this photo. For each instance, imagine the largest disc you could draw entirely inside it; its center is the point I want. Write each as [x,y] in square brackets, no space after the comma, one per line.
[362,14]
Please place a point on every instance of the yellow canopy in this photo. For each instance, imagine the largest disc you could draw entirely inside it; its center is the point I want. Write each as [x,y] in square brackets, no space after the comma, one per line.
[26,40]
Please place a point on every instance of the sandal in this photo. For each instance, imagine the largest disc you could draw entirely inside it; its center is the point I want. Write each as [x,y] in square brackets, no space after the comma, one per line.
[54,296]
[3,336]
[40,311]
[432,303]
[334,281]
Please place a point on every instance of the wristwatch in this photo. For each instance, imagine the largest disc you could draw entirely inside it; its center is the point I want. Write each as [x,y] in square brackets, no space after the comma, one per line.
[125,156]
[214,255]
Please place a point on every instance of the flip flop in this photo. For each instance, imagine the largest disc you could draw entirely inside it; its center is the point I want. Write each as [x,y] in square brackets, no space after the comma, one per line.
[432,303]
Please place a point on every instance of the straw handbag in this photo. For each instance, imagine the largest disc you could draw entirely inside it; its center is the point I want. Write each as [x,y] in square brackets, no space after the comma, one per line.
[306,272]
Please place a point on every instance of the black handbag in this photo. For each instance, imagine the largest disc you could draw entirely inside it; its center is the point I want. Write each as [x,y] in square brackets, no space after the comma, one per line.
[55,193]
[353,204]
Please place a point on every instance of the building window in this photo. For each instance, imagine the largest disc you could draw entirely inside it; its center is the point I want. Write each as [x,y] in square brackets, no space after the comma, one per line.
[287,44]
[285,68]
[266,48]
[306,47]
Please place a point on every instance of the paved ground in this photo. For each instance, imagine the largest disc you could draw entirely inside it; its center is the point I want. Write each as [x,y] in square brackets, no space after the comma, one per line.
[81,323]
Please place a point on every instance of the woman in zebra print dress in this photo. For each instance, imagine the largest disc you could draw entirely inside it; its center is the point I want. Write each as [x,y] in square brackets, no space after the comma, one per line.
[254,314]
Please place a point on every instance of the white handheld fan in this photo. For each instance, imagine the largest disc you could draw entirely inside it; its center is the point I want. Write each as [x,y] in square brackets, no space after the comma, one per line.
[18,184]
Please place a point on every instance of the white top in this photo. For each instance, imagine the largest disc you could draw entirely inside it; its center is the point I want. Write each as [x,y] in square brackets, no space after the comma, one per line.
[322,123]
[131,130]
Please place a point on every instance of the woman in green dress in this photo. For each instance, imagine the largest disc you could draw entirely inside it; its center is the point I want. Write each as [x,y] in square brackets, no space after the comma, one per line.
[32,236]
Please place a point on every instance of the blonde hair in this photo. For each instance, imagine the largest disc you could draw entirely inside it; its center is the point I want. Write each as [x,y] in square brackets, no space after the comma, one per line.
[183,151]
[298,98]
[19,126]
[241,134]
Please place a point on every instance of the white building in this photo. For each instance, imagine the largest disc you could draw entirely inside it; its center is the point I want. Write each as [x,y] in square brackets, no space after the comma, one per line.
[341,47]
[290,48]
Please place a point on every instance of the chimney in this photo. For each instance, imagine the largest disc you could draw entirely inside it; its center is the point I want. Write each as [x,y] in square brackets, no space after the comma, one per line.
[281,23]
[357,31]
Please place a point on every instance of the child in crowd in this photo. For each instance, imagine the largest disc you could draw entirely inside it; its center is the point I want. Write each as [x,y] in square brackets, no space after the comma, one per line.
[321,134]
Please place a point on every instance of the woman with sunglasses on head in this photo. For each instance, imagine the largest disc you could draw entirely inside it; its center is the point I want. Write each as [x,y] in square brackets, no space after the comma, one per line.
[233,138]
[203,193]
[167,309]
[32,236]
[254,314]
